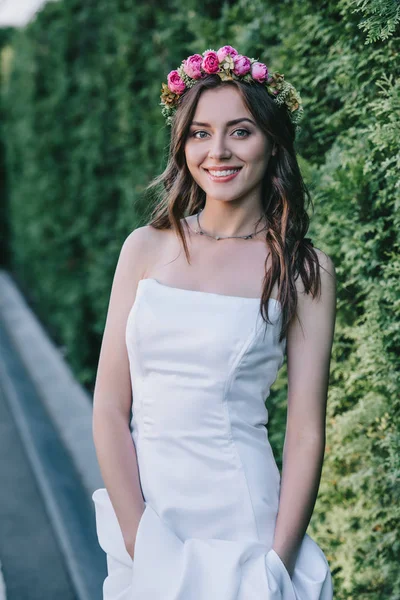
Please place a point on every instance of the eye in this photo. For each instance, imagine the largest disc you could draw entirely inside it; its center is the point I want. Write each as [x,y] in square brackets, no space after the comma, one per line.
[245,130]
[194,134]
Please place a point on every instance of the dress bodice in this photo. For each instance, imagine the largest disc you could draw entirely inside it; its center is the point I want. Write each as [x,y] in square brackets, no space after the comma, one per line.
[201,346]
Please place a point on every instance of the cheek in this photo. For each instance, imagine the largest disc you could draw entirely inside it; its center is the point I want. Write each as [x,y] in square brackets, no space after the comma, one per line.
[194,155]
[259,157]
[192,162]
[258,150]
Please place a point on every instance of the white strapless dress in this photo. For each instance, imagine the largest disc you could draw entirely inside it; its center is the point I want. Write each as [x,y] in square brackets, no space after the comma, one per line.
[202,365]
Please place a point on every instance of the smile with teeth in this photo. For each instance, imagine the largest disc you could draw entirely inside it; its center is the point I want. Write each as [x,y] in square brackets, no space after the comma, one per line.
[223,173]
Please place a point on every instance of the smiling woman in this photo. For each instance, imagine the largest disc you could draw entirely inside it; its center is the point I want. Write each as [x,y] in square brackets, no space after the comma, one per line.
[226,146]
[194,506]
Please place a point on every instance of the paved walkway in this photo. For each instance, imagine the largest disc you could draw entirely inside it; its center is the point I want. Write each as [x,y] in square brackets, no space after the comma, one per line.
[48,469]
[32,564]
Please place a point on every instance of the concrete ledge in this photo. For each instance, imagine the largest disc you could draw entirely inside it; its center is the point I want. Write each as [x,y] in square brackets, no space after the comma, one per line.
[66,401]
[2,586]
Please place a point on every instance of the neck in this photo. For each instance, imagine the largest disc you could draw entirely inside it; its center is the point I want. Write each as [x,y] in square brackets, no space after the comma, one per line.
[234,225]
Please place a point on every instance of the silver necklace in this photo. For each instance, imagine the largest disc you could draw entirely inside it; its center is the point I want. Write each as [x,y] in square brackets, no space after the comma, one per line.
[218,237]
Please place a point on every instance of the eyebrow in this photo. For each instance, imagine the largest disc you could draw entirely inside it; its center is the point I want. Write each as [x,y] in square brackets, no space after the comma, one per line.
[234,122]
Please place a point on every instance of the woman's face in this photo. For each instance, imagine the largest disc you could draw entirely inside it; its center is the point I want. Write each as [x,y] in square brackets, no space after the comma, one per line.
[214,142]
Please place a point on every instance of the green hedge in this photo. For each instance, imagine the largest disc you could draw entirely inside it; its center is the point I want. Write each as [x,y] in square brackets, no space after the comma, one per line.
[84,135]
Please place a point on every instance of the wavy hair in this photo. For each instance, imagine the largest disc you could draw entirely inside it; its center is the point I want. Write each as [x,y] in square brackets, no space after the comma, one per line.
[284,196]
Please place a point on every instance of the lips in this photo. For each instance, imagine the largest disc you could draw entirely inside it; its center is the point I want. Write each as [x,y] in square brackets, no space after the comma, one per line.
[220,168]
[223,178]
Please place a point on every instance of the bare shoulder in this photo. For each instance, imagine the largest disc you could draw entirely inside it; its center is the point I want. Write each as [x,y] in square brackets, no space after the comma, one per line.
[315,317]
[328,275]
[139,247]
[327,272]
[328,279]
[140,238]
[326,263]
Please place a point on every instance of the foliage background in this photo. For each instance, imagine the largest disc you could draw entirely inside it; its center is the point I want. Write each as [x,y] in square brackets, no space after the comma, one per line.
[82,135]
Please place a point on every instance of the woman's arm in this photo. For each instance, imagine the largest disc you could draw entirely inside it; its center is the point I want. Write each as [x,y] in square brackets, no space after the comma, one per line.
[112,400]
[309,345]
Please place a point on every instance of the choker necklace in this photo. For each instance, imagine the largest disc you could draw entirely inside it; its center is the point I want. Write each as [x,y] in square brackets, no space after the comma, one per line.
[218,237]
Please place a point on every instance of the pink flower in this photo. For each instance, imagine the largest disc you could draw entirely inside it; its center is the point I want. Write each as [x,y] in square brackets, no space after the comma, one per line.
[222,52]
[210,62]
[175,83]
[242,64]
[259,71]
[192,66]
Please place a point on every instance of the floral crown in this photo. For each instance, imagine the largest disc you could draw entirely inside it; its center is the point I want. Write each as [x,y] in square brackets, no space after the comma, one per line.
[228,64]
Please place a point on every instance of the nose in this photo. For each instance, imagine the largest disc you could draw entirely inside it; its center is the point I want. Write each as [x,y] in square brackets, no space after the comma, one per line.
[218,147]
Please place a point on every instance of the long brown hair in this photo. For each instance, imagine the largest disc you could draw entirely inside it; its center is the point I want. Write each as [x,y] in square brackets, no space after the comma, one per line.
[285,197]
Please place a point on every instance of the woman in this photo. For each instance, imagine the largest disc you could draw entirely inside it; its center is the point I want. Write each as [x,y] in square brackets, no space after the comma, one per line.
[194,506]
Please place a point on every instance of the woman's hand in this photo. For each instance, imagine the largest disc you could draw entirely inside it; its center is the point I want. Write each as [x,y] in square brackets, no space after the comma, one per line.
[130,540]
[288,561]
